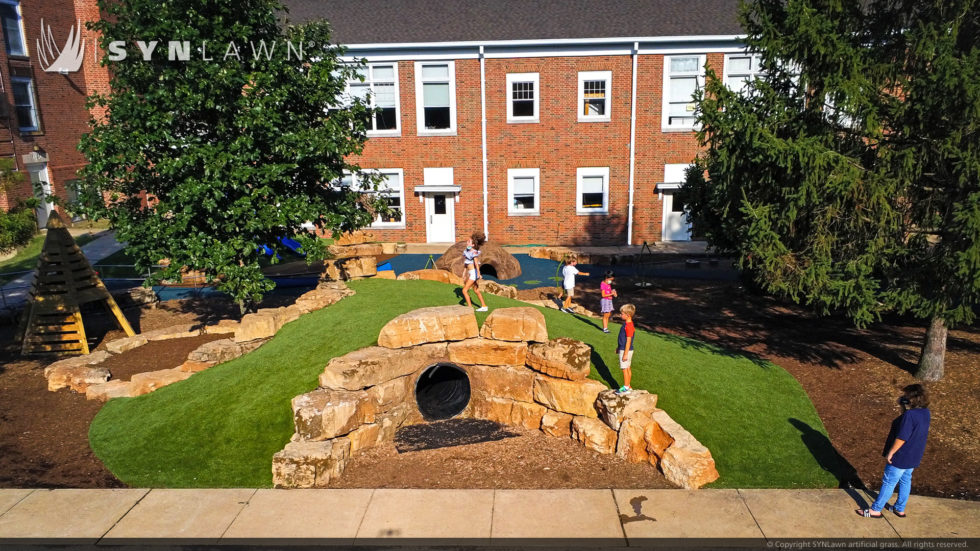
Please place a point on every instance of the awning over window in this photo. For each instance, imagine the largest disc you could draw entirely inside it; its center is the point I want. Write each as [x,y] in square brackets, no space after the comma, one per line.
[667,186]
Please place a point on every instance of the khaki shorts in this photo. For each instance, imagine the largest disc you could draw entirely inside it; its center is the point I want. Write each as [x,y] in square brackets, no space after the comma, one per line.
[624,365]
[570,292]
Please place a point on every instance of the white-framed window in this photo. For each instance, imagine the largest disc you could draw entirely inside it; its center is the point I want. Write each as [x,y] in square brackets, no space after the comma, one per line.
[25,104]
[379,90]
[594,95]
[741,69]
[592,190]
[13,28]
[683,75]
[435,97]
[391,188]
[524,191]
[523,97]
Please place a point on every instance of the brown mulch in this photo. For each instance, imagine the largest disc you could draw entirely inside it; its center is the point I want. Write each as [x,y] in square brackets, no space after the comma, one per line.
[852,376]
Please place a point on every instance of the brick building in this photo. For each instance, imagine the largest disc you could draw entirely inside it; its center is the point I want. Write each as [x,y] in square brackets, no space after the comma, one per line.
[44,113]
[548,121]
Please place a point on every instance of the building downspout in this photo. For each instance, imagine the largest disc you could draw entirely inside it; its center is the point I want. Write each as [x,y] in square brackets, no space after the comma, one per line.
[629,223]
[483,110]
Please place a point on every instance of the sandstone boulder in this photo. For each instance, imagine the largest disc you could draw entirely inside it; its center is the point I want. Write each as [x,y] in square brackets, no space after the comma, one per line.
[516,383]
[325,414]
[112,389]
[136,296]
[441,276]
[575,397]
[507,411]
[126,344]
[487,352]
[594,434]
[372,366]
[631,444]
[515,324]
[223,327]
[362,249]
[191,366]
[76,377]
[347,268]
[260,325]
[391,393]
[554,423]
[429,325]
[502,262]
[657,441]
[222,350]
[614,408]
[527,415]
[75,361]
[310,464]
[321,297]
[357,237]
[145,383]
[686,462]
[386,274]
[364,437]
[174,332]
[563,358]
[494,288]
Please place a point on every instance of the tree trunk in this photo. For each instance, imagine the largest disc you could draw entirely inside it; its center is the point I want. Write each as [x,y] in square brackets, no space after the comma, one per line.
[933,351]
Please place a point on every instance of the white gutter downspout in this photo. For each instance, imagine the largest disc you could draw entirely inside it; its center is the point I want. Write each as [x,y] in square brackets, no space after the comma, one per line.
[483,110]
[629,224]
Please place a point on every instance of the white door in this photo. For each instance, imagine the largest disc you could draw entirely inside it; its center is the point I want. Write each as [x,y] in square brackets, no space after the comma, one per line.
[676,226]
[42,190]
[440,218]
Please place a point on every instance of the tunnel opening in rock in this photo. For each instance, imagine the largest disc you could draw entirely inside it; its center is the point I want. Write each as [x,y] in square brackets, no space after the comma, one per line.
[442,392]
[488,270]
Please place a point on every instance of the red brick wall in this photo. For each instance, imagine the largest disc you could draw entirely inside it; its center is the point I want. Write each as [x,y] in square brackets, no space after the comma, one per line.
[60,98]
[557,145]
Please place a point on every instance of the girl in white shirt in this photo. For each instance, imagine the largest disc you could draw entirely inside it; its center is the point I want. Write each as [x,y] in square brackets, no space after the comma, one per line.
[471,268]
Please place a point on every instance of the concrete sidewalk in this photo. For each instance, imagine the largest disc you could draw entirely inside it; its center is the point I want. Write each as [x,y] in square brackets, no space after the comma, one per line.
[617,518]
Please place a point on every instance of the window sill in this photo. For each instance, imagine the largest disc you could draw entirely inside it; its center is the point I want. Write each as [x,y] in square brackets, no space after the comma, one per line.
[592,212]
[31,133]
[523,213]
[595,119]
[425,133]
[523,121]
[384,134]
[385,226]
[679,129]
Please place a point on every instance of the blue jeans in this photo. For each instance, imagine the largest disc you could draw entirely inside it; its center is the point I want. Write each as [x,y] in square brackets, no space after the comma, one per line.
[893,475]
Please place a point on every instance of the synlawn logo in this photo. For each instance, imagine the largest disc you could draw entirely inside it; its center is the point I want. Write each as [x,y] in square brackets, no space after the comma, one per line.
[61,60]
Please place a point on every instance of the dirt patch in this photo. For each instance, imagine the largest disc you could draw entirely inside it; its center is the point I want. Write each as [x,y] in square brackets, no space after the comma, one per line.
[528,459]
[152,355]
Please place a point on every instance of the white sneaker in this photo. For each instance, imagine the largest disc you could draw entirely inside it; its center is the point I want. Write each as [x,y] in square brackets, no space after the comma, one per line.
[481,309]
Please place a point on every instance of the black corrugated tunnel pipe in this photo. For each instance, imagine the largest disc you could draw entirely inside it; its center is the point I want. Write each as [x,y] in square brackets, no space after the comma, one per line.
[442,392]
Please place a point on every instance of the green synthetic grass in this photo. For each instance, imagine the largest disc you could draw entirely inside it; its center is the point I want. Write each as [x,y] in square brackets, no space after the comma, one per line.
[221,427]
[26,258]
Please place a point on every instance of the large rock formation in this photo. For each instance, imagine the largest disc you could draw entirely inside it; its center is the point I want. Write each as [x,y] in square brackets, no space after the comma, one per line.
[516,377]
[503,263]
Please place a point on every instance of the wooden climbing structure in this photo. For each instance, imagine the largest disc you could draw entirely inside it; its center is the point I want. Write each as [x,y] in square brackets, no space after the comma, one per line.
[63,282]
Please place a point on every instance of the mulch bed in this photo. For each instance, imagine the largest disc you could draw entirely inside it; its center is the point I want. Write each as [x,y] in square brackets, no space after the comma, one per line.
[852,376]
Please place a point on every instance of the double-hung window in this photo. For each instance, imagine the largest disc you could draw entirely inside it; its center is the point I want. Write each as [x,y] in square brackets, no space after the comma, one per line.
[522,97]
[391,188]
[683,76]
[25,104]
[523,190]
[13,28]
[592,193]
[379,90]
[594,89]
[435,97]
[741,69]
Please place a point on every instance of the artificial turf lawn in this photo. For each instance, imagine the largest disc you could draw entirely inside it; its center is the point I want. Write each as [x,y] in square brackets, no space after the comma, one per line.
[221,427]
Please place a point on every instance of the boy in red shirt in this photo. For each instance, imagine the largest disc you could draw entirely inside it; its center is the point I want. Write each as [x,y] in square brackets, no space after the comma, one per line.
[624,349]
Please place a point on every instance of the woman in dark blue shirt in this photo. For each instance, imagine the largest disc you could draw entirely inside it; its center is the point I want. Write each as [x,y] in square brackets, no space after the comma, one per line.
[903,450]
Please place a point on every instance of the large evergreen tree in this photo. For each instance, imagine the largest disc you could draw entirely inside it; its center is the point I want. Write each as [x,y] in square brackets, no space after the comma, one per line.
[202,160]
[847,176]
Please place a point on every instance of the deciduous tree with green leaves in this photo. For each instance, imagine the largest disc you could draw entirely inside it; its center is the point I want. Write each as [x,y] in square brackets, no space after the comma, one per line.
[226,143]
[847,176]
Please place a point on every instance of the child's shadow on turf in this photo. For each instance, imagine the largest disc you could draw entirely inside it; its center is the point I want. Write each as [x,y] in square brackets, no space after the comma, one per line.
[602,369]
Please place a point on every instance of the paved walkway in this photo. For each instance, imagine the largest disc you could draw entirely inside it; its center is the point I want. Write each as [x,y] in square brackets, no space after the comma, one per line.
[683,248]
[473,517]
[13,295]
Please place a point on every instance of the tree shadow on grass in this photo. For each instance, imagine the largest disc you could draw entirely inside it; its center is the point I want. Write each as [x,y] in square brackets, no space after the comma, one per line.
[829,458]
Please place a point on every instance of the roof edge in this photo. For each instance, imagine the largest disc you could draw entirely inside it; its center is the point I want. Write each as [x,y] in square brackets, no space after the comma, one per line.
[547,42]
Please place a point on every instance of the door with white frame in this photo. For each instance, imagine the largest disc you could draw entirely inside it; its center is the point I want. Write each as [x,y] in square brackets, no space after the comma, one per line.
[440,218]
[676,225]
[42,190]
